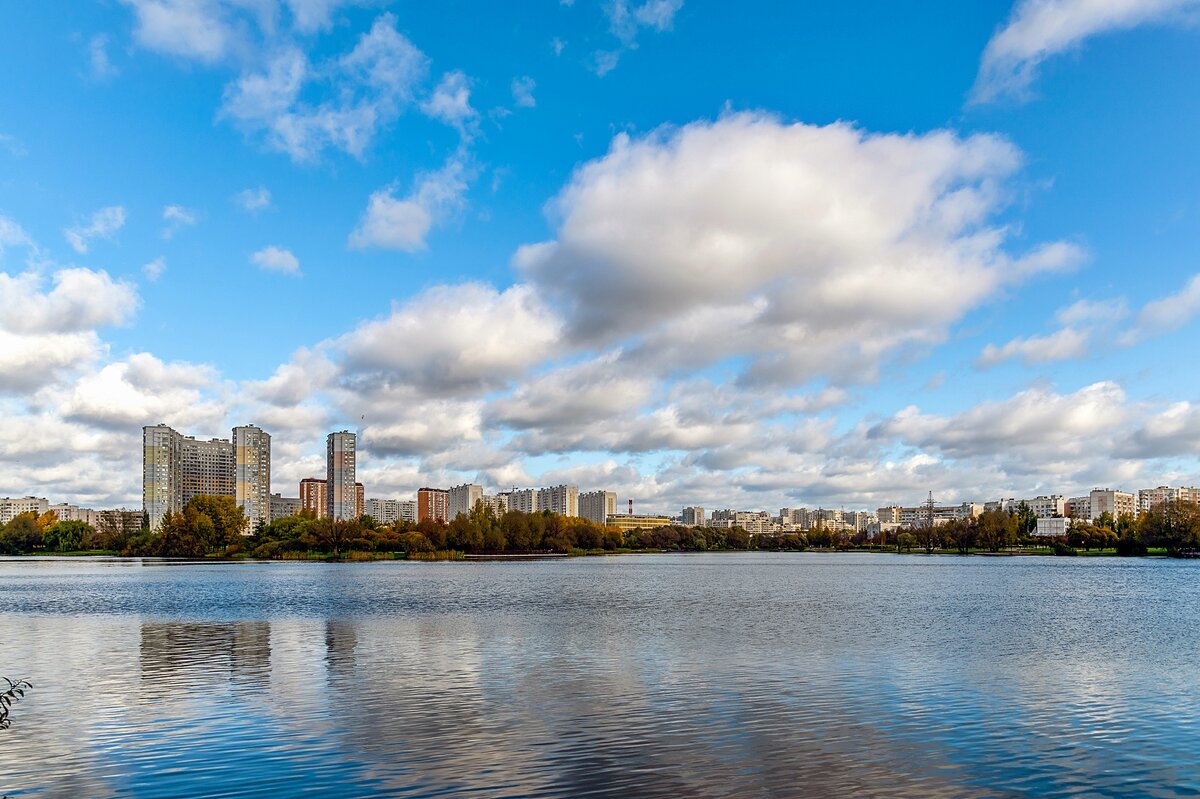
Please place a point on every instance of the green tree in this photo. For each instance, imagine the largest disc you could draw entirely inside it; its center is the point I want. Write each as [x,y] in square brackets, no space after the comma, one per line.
[1173,525]
[996,530]
[68,536]
[1026,520]
[961,534]
[21,536]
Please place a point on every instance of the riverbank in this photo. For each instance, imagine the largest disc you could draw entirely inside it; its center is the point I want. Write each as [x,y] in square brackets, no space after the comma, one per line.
[455,555]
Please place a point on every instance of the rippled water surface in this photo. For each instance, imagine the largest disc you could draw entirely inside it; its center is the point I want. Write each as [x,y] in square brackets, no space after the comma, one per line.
[756,675]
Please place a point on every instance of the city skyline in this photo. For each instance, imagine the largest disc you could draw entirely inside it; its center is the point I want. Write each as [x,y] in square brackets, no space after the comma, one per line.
[592,244]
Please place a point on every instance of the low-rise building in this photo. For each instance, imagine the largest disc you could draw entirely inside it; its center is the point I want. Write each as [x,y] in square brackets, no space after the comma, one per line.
[1148,498]
[1052,526]
[12,507]
[626,522]
[282,507]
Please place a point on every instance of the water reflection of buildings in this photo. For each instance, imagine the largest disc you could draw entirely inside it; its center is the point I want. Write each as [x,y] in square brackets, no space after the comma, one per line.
[182,655]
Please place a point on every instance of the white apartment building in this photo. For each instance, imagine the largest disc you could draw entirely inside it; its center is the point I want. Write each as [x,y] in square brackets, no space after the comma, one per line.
[407,510]
[497,502]
[1117,503]
[597,506]
[560,499]
[524,500]
[1079,508]
[919,516]
[1052,526]
[889,515]
[12,507]
[1150,497]
[383,511]
[74,513]
[692,516]
[462,499]
[1043,507]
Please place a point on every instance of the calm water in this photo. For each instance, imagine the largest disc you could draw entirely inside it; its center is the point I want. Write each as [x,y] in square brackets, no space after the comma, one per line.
[757,675]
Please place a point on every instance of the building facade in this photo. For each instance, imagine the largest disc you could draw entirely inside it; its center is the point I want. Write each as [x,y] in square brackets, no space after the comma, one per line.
[341,489]
[560,499]
[384,511]
[1116,503]
[626,522]
[1148,498]
[282,507]
[312,496]
[176,468]
[12,507]
[498,503]
[433,503]
[252,473]
[597,506]
[208,469]
[462,499]
[162,473]
[524,500]
[693,517]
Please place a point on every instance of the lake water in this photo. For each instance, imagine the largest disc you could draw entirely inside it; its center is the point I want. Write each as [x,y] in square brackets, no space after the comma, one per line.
[733,675]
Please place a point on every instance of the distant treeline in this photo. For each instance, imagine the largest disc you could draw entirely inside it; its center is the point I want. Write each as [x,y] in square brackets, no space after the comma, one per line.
[213,526]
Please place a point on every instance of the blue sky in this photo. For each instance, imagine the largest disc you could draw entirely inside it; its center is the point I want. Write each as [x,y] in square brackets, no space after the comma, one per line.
[816,254]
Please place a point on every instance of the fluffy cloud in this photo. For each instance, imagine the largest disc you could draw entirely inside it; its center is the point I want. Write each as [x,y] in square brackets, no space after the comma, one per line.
[800,248]
[404,223]
[365,89]
[103,225]
[309,16]
[195,29]
[45,333]
[142,390]
[574,397]
[276,259]
[1037,424]
[80,300]
[451,340]
[1040,29]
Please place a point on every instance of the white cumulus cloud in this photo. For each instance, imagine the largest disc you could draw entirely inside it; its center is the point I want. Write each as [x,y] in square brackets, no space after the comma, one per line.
[276,259]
